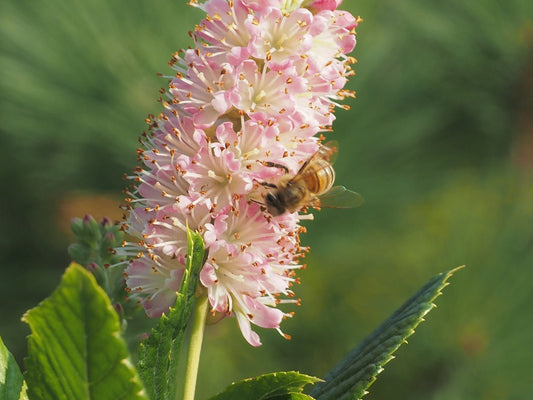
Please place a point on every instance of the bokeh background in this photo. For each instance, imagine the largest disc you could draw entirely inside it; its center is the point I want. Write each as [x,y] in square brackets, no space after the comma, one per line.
[439,141]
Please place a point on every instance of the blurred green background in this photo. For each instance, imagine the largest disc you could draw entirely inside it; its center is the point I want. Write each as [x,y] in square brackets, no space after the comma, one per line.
[439,141]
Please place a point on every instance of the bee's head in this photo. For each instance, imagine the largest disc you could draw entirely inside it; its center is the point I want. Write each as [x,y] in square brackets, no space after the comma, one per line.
[274,204]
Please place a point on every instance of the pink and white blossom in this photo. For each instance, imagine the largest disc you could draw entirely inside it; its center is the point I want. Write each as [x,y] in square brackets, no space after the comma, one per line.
[247,105]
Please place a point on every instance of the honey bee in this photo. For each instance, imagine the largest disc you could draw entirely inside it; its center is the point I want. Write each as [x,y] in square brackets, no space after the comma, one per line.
[312,186]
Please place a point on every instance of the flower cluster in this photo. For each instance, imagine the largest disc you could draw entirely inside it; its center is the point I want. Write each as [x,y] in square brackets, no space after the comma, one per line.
[254,94]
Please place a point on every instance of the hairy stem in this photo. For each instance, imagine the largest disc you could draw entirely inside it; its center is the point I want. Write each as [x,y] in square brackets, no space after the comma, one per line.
[195,347]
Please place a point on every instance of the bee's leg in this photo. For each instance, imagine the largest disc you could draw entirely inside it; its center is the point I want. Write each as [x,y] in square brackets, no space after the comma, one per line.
[268,184]
[276,165]
[263,207]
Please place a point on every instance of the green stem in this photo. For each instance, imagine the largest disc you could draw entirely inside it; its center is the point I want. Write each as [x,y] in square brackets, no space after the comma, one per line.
[195,347]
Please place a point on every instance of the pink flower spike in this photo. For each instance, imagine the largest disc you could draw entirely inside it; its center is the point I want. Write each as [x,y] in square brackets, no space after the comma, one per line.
[244,112]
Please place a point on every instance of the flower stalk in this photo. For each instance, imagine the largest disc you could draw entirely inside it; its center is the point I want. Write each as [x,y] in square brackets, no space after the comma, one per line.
[195,347]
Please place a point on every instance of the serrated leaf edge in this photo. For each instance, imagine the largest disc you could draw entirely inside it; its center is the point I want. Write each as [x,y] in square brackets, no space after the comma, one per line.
[431,305]
[308,380]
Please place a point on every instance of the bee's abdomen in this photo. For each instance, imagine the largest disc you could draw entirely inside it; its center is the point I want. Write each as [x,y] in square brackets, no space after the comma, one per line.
[320,177]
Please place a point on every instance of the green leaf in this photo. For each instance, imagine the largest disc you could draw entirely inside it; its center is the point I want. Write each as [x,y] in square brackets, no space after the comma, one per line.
[75,350]
[275,386]
[350,378]
[12,385]
[159,353]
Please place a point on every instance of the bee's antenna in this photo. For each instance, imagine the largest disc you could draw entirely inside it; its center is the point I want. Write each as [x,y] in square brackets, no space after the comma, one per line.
[275,165]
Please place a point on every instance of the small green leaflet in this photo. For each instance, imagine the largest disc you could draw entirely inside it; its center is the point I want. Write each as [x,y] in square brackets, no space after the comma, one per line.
[159,353]
[275,386]
[350,378]
[75,351]
[12,385]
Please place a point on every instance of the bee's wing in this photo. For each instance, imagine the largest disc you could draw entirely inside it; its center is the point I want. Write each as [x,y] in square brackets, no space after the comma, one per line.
[327,151]
[340,197]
